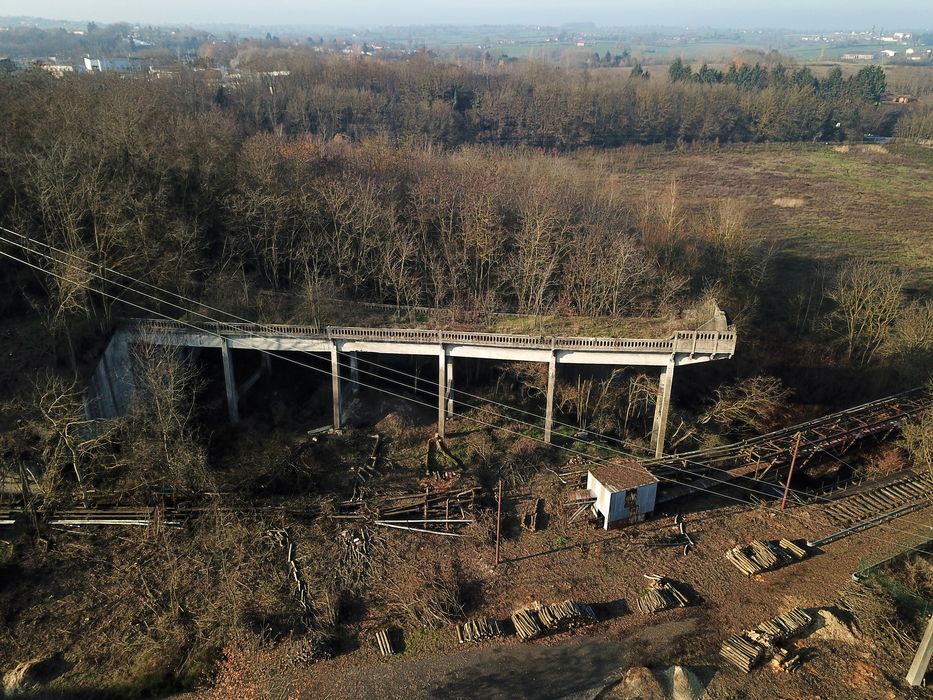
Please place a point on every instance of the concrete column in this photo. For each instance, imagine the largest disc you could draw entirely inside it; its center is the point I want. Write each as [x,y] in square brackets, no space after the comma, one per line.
[441,391]
[918,669]
[450,387]
[233,407]
[549,411]
[335,383]
[661,409]
[266,363]
[354,373]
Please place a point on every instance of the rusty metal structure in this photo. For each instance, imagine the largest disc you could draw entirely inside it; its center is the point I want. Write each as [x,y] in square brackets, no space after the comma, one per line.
[766,458]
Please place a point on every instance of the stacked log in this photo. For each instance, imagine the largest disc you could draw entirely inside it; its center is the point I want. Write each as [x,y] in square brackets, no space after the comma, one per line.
[760,555]
[478,630]
[782,627]
[741,652]
[747,649]
[663,594]
[527,625]
[385,644]
[565,615]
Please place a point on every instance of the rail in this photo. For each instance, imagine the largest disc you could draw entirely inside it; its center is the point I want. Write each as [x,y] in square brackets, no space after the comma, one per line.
[689,342]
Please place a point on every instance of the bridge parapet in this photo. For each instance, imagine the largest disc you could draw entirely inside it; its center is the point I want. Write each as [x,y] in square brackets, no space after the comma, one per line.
[683,342]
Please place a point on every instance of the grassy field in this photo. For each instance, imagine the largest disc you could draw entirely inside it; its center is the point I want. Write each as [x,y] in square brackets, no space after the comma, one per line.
[822,202]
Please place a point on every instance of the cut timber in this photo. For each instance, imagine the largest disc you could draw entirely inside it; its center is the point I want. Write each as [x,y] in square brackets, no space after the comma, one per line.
[760,555]
[565,615]
[478,630]
[385,644]
[663,594]
[748,649]
[527,625]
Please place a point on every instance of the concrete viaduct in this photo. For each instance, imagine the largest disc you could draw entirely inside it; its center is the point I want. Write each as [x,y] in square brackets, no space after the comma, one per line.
[111,386]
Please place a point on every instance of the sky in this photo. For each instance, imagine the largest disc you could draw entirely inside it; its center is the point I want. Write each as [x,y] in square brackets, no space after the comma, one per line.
[791,14]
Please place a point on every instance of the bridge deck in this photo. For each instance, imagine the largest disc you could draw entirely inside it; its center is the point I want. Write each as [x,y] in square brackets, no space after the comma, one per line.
[685,346]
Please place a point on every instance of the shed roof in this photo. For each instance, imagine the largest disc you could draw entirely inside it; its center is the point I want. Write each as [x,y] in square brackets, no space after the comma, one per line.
[622,475]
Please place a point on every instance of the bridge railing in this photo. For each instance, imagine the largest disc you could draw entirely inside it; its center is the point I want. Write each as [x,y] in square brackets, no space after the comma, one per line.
[689,342]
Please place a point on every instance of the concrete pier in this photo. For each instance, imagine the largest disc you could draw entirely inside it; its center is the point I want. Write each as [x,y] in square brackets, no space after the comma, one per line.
[233,400]
[661,409]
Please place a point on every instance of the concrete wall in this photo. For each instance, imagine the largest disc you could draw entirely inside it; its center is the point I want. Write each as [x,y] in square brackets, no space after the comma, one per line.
[111,387]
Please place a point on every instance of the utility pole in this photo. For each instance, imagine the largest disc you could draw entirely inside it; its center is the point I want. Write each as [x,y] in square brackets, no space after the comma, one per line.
[790,474]
[498,522]
[918,669]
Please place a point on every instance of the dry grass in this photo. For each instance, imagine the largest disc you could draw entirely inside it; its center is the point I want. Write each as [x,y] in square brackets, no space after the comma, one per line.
[789,202]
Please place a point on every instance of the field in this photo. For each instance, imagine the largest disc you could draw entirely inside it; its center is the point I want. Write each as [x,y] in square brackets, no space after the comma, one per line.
[816,202]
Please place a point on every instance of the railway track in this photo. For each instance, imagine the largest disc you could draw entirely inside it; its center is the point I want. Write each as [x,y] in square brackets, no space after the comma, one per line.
[765,457]
[871,503]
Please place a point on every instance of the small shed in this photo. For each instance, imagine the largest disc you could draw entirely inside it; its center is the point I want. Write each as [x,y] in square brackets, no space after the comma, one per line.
[625,492]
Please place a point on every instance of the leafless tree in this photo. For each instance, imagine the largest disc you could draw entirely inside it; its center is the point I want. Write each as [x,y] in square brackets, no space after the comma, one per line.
[753,403]
[72,441]
[165,446]
[867,301]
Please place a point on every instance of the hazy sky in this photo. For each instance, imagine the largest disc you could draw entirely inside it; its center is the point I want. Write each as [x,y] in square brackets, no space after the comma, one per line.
[841,14]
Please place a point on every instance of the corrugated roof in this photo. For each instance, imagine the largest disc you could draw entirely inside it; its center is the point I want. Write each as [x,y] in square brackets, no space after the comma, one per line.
[622,475]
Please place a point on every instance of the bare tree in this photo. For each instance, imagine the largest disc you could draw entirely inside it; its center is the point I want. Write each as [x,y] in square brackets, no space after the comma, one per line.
[867,301]
[753,403]
[918,440]
[72,442]
[165,445]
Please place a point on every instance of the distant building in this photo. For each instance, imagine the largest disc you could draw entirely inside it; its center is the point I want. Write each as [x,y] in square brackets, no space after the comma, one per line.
[111,65]
[625,492]
[888,53]
[858,57]
[57,69]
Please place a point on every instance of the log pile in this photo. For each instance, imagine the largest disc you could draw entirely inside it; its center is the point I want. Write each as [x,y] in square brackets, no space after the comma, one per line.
[748,649]
[565,615]
[384,643]
[479,630]
[742,652]
[662,594]
[780,628]
[527,624]
[761,555]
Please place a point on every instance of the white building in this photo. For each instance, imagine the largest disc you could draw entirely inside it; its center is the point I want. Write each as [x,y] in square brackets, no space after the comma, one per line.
[625,492]
[106,65]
